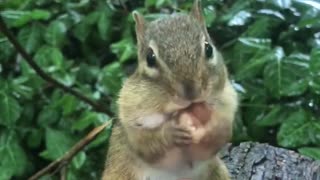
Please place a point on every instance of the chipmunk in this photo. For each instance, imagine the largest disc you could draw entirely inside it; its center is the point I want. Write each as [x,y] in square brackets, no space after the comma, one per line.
[176,110]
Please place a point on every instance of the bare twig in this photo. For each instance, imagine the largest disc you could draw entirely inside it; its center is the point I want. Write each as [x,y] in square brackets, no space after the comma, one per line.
[4,29]
[64,172]
[64,160]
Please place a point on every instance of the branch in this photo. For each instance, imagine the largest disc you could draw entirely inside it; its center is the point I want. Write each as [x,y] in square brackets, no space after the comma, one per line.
[64,160]
[4,29]
[256,161]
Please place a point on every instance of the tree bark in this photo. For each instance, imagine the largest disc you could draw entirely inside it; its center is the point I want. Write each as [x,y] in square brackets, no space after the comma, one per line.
[254,161]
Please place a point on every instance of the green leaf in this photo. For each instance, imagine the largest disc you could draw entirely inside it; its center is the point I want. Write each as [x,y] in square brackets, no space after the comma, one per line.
[20,88]
[19,18]
[314,68]
[31,37]
[6,50]
[294,130]
[110,78]
[104,24]
[315,61]
[311,152]
[210,15]
[299,129]
[309,23]
[157,3]
[256,42]
[311,3]
[79,160]
[235,9]
[256,63]
[13,160]
[68,103]
[288,76]
[273,13]
[10,109]
[48,116]
[49,58]
[55,34]
[83,29]
[124,49]
[273,117]
[262,27]
[57,144]
[85,121]
[240,18]
[315,84]
[87,73]
[283,4]
[34,138]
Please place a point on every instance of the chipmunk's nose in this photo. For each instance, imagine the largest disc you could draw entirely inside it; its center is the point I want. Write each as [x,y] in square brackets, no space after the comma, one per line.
[190,91]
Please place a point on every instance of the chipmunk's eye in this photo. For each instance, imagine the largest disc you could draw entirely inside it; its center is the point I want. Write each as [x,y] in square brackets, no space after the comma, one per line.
[208,50]
[151,58]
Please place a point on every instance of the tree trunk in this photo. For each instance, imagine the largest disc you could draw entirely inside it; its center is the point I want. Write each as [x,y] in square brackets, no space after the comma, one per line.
[253,161]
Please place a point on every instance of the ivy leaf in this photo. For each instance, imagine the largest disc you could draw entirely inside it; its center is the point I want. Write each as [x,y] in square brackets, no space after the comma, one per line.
[235,9]
[262,27]
[209,15]
[34,138]
[315,84]
[288,76]
[86,119]
[110,78]
[104,24]
[240,18]
[310,3]
[274,117]
[20,88]
[124,49]
[311,152]
[79,160]
[256,42]
[48,116]
[315,62]
[57,144]
[13,160]
[49,58]
[283,4]
[55,33]
[68,103]
[10,109]
[31,37]
[6,49]
[257,62]
[83,29]
[273,13]
[156,3]
[19,18]
[315,73]
[298,129]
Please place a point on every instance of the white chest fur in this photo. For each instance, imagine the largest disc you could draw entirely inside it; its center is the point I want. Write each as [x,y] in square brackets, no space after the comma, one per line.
[173,167]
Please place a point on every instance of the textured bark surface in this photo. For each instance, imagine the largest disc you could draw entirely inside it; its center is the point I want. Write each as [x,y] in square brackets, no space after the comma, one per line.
[254,161]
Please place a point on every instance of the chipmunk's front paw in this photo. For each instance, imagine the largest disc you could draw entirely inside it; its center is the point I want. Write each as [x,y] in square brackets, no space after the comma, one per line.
[178,135]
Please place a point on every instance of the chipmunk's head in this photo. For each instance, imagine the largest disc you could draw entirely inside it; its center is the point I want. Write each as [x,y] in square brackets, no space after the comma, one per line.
[176,52]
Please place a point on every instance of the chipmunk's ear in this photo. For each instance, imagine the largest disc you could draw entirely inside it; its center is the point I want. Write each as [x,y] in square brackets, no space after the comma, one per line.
[196,11]
[140,24]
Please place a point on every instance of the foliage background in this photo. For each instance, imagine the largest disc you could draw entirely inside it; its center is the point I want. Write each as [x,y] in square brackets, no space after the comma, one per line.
[271,47]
